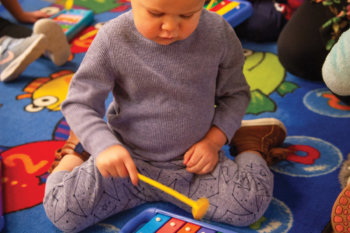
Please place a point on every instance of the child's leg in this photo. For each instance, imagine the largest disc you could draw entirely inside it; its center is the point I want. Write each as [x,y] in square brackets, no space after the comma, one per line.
[264,25]
[76,194]
[78,199]
[301,47]
[13,30]
[239,191]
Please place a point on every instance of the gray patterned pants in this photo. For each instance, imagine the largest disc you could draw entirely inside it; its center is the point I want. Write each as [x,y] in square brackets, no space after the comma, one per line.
[239,191]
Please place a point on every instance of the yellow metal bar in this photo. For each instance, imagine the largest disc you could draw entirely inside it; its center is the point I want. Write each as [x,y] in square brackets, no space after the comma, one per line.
[227,8]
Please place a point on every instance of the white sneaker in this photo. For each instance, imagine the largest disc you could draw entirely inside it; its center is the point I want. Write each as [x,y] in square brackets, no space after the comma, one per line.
[17,54]
[58,49]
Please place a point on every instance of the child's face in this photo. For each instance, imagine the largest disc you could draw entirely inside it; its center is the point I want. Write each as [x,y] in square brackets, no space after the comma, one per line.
[166,21]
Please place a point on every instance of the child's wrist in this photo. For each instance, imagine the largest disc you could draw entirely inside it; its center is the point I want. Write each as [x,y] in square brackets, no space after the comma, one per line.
[216,137]
[214,143]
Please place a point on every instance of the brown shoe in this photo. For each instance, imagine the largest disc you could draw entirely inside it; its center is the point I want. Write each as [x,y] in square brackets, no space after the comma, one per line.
[72,147]
[264,135]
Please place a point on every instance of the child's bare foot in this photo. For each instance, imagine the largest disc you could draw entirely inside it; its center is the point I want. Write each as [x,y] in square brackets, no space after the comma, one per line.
[68,163]
[71,148]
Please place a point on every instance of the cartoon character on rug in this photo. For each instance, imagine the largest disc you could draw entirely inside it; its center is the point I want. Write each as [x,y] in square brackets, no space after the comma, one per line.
[47,92]
[265,75]
[25,169]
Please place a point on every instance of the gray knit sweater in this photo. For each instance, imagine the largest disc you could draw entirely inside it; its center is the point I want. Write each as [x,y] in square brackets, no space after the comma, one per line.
[164,95]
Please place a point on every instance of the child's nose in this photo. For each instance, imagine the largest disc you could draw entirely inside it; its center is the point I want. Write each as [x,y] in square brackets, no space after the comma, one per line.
[170,24]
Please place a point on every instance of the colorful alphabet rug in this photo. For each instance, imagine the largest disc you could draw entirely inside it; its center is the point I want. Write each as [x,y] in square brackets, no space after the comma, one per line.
[306,184]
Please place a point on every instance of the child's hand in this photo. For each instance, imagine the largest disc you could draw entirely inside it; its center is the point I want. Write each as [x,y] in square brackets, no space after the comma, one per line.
[31,16]
[202,157]
[116,161]
[16,11]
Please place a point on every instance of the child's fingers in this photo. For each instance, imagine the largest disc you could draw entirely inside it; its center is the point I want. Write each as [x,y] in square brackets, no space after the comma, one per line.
[130,166]
[122,171]
[188,155]
[195,167]
[194,160]
[41,14]
[113,171]
[206,169]
[104,173]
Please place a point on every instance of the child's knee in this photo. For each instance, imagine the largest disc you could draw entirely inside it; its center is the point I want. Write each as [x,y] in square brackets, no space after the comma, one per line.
[62,206]
[243,211]
[50,207]
[61,215]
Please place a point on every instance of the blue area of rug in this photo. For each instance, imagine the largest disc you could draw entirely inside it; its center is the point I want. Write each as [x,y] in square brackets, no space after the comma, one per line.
[306,184]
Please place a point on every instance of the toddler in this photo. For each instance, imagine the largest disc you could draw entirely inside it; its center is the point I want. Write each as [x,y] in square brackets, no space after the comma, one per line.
[175,72]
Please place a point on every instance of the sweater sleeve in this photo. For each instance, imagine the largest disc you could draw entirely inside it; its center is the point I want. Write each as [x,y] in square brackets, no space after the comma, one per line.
[84,107]
[232,90]
[336,68]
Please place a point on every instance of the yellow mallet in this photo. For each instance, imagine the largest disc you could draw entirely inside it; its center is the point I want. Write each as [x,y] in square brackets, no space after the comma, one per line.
[69,4]
[199,207]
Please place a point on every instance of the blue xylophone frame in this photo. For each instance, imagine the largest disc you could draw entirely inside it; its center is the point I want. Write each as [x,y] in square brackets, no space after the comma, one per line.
[139,220]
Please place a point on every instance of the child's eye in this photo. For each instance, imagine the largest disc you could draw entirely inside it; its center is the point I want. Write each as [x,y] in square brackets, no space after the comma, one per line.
[186,16]
[155,14]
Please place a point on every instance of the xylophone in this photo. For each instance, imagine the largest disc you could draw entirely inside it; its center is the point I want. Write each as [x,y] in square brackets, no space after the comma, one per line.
[234,12]
[153,220]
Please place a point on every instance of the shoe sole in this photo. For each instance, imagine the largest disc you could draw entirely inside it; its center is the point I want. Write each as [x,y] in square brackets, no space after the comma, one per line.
[264,122]
[341,211]
[18,65]
[58,45]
